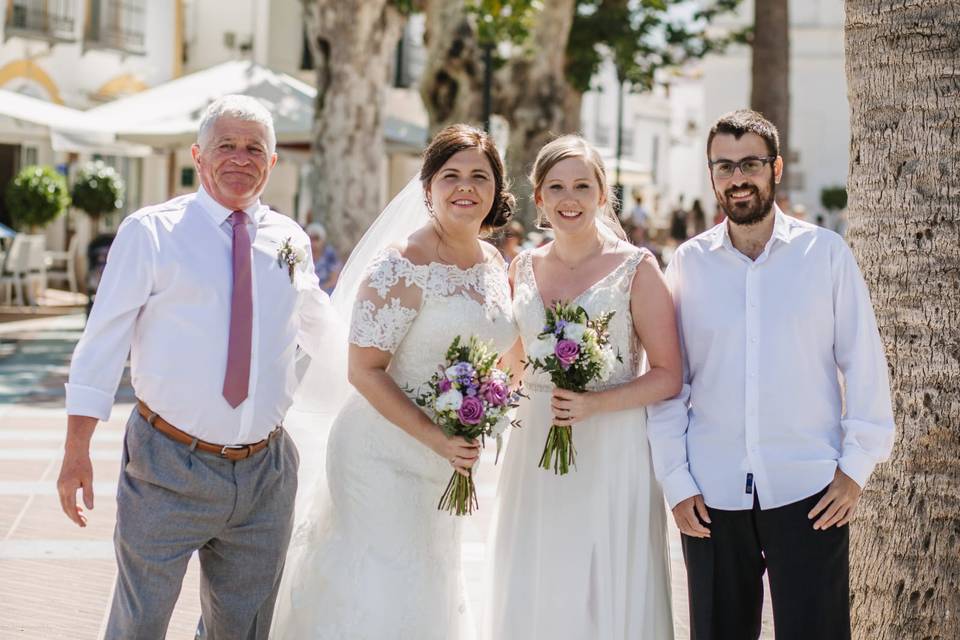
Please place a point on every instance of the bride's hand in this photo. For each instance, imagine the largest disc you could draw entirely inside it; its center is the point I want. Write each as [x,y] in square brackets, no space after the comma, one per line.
[570,407]
[461,453]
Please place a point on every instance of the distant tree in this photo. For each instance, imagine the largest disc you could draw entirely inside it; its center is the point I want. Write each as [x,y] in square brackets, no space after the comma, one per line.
[770,77]
[551,52]
[353,43]
[833,198]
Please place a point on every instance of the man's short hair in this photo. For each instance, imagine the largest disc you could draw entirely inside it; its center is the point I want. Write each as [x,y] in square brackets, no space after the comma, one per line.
[737,123]
[240,107]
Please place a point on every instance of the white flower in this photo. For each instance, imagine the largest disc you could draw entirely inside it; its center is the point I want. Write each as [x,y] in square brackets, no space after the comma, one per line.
[574,331]
[501,425]
[542,347]
[607,362]
[449,400]
[299,255]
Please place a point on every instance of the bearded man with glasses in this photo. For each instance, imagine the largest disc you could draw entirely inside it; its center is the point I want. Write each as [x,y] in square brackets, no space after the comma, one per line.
[764,453]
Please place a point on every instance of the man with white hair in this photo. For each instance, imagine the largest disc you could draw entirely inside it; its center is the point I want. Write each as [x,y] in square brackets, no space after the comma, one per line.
[210,293]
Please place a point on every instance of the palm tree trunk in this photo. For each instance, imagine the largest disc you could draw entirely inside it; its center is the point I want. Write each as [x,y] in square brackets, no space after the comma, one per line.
[353,43]
[770,92]
[904,88]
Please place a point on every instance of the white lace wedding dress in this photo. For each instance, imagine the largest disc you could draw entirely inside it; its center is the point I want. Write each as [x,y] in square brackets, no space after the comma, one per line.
[380,561]
[583,556]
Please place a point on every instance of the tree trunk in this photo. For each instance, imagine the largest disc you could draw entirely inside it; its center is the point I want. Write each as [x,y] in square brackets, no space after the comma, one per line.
[904,91]
[452,82]
[770,93]
[353,43]
[532,94]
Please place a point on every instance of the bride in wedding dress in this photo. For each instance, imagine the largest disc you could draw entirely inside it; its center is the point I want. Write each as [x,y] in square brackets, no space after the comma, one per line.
[372,557]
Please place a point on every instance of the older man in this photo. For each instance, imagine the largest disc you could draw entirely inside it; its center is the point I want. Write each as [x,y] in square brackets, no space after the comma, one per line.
[764,454]
[210,293]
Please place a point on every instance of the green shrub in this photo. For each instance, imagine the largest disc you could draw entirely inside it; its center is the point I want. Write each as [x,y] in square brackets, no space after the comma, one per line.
[36,197]
[98,189]
[833,198]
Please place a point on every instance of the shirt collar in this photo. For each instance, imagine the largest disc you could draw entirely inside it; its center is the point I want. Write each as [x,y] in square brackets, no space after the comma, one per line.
[220,213]
[782,227]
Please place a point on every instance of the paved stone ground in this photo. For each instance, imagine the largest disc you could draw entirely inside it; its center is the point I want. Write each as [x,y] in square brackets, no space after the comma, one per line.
[55,578]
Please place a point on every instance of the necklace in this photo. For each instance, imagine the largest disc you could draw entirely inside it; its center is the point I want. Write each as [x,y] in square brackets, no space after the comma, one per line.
[598,251]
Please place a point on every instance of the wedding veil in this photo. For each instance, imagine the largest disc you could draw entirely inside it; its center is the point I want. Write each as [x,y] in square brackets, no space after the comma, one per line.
[324,387]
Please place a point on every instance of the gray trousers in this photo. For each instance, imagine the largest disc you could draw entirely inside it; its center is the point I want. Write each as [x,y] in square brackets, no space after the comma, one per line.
[172,501]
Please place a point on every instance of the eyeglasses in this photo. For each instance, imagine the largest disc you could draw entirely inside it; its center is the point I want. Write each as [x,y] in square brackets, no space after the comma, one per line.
[749,166]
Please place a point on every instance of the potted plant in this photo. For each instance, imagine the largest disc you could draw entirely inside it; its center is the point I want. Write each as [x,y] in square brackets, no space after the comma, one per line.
[97,191]
[36,197]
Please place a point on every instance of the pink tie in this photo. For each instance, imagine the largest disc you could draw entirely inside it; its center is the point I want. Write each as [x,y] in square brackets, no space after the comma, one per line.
[237,379]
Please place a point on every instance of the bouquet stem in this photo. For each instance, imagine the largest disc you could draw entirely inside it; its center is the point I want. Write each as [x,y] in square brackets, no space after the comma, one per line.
[460,497]
[558,452]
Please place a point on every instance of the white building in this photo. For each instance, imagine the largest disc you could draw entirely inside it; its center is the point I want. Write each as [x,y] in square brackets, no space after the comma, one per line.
[819,116]
[645,138]
[80,53]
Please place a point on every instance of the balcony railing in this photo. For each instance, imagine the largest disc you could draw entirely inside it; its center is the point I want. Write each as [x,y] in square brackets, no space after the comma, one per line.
[44,19]
[117,24]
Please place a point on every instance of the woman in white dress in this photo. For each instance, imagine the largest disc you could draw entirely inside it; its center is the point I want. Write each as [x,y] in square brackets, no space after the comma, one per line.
[375,558]
[584,556]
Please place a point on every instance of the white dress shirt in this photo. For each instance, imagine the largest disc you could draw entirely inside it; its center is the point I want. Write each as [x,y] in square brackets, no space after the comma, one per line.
[165,298]
[763,343]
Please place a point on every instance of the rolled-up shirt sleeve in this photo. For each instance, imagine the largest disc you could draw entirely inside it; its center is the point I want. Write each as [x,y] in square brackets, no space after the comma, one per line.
[867,423]
[101,353]
[667,421]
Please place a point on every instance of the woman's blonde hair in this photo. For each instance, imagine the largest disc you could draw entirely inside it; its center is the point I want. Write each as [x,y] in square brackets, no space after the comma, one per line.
[574,146]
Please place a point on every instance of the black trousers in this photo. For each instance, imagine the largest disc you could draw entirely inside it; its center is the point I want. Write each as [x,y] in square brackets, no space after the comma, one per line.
[808,572]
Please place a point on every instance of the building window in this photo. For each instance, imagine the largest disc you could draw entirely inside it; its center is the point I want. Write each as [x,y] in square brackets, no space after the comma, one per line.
[117,24]
[43,19]
[28,156]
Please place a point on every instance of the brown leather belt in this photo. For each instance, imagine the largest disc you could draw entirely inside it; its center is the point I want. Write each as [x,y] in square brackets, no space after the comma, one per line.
[228,451]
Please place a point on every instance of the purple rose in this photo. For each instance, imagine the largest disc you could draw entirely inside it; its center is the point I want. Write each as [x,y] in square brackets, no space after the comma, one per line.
[471,411]
[445,385]
[495,392]
[566,352]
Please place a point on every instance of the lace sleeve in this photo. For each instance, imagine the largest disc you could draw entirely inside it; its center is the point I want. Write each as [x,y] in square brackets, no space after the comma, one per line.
[387,303]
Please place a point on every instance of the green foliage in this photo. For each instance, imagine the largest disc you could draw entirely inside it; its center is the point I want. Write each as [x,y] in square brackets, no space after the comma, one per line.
[98,189]
[833,198]
[643,36]
[37,196]
[503,20]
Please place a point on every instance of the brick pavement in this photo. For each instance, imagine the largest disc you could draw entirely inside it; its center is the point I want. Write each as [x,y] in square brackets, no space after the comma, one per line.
[55,578]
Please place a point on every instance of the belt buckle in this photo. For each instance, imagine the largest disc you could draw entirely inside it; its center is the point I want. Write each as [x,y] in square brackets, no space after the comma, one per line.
[223,450]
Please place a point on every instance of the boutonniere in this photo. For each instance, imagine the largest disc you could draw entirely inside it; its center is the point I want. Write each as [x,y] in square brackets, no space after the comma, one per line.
[290,256]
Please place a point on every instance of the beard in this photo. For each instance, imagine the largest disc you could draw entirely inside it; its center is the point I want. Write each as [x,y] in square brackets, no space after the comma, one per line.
[752,211]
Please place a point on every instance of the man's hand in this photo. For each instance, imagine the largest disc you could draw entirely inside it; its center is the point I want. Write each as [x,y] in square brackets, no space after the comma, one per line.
[838,504]
[76,472]
[686,515]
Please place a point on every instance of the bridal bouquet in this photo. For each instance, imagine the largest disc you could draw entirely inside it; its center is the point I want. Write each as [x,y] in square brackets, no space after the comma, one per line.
[575,351]
[469,397]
